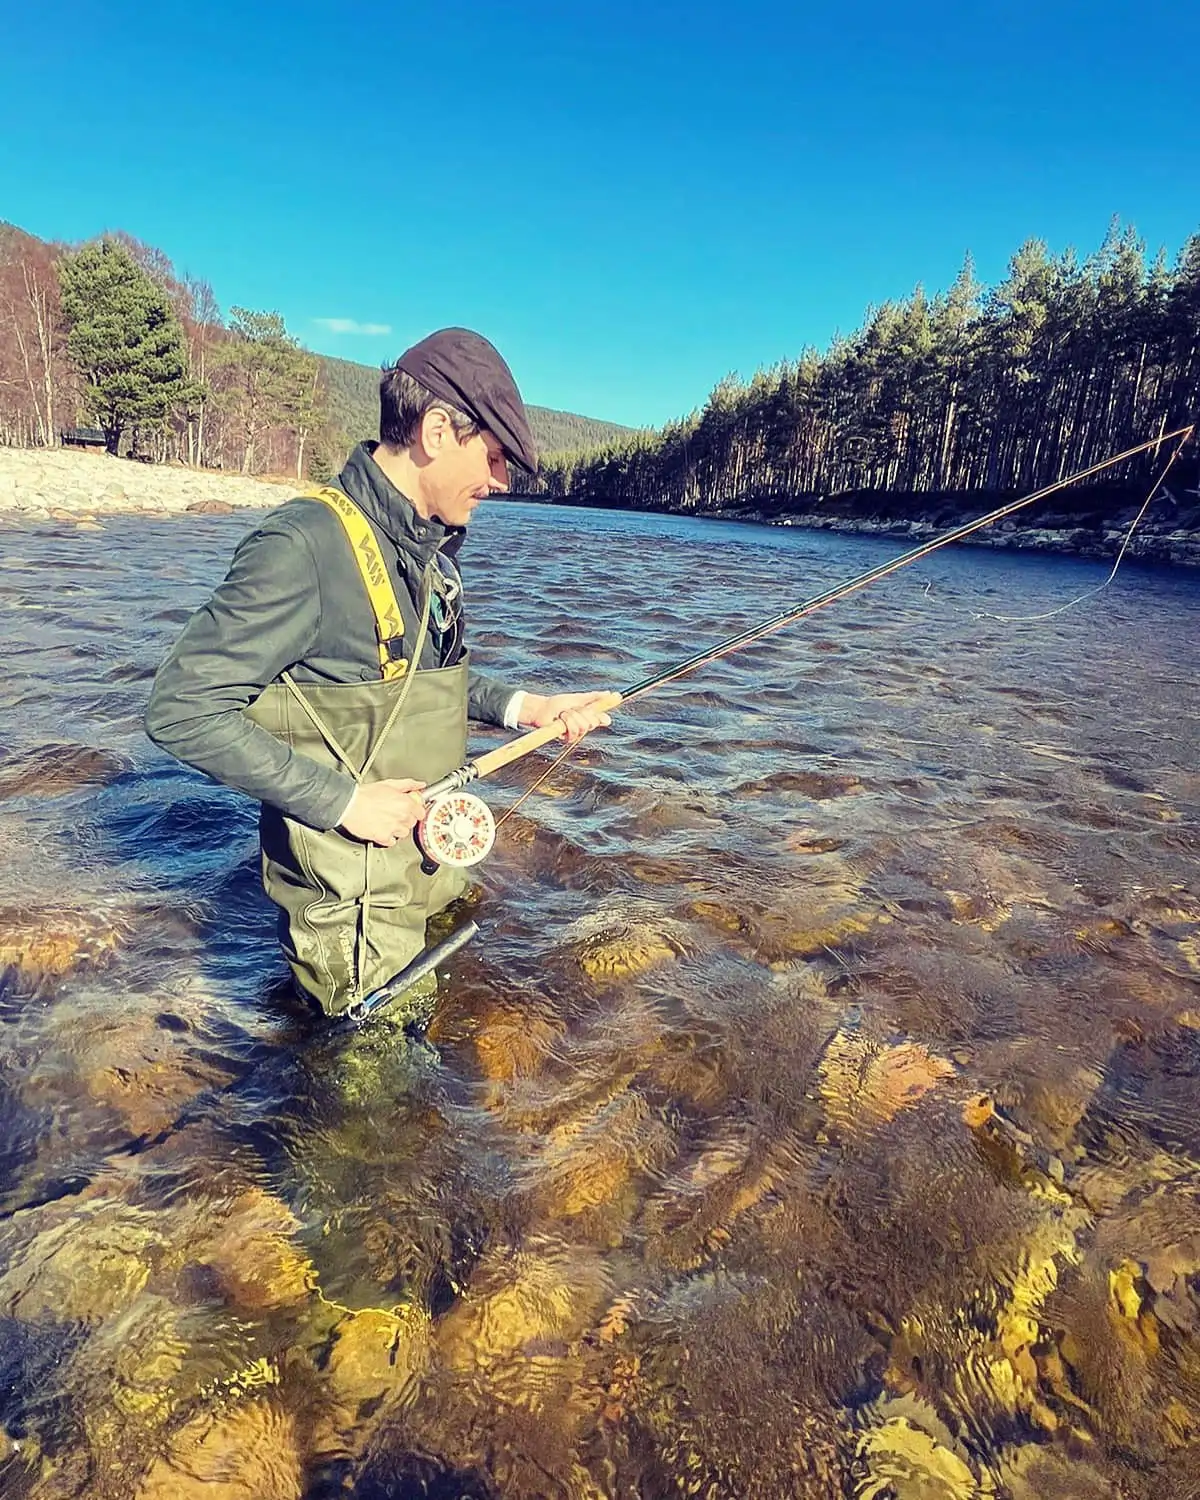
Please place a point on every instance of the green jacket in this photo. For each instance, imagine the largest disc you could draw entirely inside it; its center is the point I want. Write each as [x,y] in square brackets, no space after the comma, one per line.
[294,599]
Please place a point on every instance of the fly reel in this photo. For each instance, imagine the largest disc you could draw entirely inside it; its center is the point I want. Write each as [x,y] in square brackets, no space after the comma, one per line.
[458,829]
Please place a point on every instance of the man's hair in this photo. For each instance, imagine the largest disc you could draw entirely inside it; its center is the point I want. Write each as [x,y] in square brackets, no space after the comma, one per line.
[403,401]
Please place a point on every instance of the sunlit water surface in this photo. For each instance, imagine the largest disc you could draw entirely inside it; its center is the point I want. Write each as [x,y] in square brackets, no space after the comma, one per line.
[818,1114]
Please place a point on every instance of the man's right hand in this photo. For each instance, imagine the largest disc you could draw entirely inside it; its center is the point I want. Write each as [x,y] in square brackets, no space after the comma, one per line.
[384,812]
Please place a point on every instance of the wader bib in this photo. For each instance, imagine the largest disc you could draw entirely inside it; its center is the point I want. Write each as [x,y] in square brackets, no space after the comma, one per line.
[352,914]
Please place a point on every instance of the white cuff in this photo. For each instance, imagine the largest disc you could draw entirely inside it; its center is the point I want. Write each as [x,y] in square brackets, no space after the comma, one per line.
[347,808]
[512,710]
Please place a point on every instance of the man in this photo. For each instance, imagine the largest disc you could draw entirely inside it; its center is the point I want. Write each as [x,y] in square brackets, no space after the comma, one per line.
[327,676]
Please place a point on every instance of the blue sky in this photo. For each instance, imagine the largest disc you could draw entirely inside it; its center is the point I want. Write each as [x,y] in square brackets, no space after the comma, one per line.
[631,200]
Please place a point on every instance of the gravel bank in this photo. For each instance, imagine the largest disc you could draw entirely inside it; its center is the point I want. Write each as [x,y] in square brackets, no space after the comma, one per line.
[72,485]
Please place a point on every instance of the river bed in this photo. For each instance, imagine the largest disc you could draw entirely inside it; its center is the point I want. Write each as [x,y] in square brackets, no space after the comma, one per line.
[817,1115]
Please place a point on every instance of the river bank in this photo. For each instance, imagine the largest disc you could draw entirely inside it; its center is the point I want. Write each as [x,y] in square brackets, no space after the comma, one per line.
[1094,524]
[1153,541]
[68,484]
[1091,521]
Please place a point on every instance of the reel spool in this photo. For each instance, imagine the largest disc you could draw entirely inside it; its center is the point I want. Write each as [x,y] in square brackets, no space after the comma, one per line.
[458,829]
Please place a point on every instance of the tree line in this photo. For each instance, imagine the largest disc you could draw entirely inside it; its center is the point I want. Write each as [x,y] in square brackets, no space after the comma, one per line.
[1002,389]
[108,336]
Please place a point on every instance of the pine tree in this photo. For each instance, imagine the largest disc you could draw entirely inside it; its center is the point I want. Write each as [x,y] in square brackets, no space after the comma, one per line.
[124,339]
[270,381]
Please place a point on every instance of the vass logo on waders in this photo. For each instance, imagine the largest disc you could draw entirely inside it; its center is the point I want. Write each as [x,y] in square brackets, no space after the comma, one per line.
[389,625]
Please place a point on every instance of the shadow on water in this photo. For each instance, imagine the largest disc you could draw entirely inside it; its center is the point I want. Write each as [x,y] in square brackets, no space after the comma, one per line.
[816,1116]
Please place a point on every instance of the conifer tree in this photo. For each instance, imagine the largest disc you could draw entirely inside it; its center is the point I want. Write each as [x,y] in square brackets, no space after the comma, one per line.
[124,339]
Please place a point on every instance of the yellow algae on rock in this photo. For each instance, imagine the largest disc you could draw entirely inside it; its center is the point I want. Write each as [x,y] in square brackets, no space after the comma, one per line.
[625,952]
[376,1353]
[513,1042]
[902,1462]
[527,1298]
[865,1083]
[252,1255]
[249,1453]
[48,942]
[590,1164]
[83,1268]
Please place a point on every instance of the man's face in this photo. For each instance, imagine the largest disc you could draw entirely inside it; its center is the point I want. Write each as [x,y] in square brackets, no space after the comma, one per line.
[466,471]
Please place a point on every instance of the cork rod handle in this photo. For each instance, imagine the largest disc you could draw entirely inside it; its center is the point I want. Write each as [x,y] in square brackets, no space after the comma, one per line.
[504,755]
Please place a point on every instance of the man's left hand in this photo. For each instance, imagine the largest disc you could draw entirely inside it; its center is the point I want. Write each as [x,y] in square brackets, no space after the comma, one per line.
[580,712]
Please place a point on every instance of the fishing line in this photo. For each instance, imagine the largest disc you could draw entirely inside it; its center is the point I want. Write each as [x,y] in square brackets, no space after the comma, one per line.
[983,614]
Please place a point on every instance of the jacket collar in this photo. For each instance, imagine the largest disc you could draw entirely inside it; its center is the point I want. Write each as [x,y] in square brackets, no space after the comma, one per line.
[395,515]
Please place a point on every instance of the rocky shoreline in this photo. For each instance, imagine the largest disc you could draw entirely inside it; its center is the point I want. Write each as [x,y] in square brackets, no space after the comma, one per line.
[66,484]
[1153,542]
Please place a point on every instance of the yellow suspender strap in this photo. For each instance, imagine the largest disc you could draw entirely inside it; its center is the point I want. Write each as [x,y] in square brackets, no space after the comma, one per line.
[389,624]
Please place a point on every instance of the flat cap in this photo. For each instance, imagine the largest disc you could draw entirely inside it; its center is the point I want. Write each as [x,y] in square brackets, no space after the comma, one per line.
[463,368]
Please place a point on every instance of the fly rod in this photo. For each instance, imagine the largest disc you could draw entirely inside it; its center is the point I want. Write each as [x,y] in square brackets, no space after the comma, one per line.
[459,828]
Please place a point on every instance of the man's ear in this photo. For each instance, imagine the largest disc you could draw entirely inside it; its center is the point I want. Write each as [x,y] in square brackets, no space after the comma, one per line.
[436,431]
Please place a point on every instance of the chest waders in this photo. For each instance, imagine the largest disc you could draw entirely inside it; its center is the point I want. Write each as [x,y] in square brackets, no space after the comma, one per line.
[351,914]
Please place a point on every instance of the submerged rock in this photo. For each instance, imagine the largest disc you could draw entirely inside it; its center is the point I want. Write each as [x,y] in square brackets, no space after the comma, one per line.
[627,951]
[521,1302]
[376,1353]
[143,1067]
[48,942]
[589,1164]
[251,1254]
[902,1462]
[511,1041]
[865,1082]
[52,770]
[249,1453]
[84,1267]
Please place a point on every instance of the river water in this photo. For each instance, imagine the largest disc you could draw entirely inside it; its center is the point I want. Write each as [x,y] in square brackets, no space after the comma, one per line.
[817,1115]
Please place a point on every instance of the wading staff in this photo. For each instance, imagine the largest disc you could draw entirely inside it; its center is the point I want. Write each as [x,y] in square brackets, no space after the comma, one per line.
[505,755]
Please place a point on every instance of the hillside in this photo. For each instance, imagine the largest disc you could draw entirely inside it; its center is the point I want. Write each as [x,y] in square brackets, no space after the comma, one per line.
[352,398]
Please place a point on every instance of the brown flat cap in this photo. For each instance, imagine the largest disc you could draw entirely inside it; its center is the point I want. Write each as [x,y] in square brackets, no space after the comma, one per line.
[463,368]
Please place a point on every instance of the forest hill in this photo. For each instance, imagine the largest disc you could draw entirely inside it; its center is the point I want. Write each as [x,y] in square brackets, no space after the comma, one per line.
[939,408]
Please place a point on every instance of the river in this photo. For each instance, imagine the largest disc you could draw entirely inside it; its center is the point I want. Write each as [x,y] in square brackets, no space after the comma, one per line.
[817,1114]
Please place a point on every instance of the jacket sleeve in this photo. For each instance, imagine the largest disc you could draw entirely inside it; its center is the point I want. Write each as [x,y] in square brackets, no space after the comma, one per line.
[264,618]
[487,698]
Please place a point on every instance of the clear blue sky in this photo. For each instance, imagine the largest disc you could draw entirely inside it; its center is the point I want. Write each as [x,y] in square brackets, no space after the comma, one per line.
[631,200]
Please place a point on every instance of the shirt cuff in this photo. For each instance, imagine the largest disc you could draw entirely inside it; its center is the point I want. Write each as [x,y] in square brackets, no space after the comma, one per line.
[512,710]
[346,809]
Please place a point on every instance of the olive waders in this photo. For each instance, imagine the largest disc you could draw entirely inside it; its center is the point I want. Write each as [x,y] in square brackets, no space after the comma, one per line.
[352,914]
